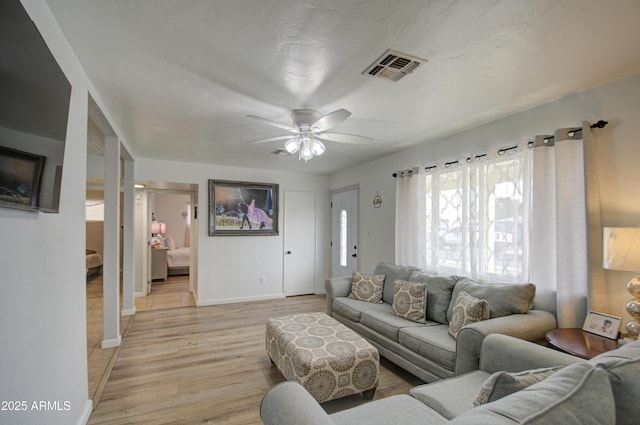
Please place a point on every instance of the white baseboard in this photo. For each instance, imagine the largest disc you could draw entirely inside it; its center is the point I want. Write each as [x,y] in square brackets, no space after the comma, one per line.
[109,343]
[321,292]
[203,303]
[128,312]
[139,294]
[86,412]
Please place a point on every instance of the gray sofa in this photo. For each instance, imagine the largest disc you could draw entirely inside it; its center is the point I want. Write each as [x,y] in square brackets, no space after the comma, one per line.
[603,390]
[427,350]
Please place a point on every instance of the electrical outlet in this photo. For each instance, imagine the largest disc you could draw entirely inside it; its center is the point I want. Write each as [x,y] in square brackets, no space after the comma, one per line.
[263,280]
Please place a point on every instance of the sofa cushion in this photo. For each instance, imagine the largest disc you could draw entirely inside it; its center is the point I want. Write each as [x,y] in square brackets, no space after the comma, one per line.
[576,395]
[432,342]
[467,310]
[409,300]
[392,273]
[439,290]
[367,287]
[623,368]
[503,298]
[501,384]
[398,409]
[451,397]
[352,309]
[384,322]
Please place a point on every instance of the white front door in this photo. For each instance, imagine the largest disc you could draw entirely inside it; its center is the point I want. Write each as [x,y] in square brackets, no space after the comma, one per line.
[344,233]
[299,243]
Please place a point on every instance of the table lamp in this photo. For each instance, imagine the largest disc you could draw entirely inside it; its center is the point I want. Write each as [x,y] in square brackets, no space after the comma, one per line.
[622,252]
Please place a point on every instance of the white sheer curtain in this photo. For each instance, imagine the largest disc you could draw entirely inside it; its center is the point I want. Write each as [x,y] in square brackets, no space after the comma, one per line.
[410,221]
[475,214]
[563,266]
[529,214]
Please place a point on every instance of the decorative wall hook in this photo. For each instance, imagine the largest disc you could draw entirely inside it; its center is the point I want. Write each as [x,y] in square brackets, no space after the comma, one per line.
[377,200]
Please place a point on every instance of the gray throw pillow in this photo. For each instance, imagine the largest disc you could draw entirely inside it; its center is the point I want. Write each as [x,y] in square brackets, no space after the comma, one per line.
[501,384]
[623,369]
[367,287]
[467,310]
[392,273]
[503,298]
[439,292]
[409,300]
[578,394]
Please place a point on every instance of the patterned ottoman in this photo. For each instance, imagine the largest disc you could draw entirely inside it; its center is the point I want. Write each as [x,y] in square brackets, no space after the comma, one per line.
[326,357]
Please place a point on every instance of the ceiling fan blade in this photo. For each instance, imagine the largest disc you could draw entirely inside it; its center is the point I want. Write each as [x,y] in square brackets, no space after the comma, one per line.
[271,139]
[273,123]
[344,138]
[330,120]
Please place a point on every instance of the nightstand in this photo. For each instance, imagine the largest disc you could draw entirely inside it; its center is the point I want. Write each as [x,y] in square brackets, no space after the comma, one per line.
[158,263]
[580,343]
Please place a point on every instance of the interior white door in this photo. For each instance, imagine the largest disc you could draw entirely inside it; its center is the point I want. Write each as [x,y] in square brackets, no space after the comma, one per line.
[344,233]
[299,243]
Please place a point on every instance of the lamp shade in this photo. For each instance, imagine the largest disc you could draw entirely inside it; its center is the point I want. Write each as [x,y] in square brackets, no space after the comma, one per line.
[155,227]
[621,248]
[158,227]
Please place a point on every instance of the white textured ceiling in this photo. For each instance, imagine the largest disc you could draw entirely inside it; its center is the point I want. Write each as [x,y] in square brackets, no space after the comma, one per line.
[179,77]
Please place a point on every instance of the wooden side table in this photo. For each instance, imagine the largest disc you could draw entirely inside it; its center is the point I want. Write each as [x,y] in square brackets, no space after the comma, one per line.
[580,343]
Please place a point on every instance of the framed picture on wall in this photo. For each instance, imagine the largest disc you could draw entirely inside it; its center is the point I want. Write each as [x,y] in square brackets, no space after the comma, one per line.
[242,208]
[602,324]
[20,176]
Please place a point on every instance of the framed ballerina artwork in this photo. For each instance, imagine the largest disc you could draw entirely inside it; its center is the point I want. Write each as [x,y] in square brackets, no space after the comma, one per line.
[242,208]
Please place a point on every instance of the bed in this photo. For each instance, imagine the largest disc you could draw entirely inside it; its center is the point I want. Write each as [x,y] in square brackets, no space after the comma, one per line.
[178,259]
[93,263]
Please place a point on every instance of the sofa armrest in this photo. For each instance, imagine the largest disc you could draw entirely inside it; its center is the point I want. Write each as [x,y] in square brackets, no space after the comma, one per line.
[531,327]
[288,403]
[336,287]
[503,352]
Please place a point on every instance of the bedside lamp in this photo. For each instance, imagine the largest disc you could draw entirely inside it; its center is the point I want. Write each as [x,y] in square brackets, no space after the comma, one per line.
[157,233]
[622,252]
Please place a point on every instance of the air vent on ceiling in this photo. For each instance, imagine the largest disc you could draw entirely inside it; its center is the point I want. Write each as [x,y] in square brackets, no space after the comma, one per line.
[393,65]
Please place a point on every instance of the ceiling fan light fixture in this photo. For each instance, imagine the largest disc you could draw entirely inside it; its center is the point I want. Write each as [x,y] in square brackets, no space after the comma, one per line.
[305,150]
[317,147]
[292,145]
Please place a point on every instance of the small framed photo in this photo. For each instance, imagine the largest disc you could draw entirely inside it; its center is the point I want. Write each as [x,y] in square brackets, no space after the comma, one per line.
[602,324]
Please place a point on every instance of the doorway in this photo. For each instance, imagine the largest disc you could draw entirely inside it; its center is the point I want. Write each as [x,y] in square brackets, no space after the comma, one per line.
[344,233]
[299,243]
[169,236]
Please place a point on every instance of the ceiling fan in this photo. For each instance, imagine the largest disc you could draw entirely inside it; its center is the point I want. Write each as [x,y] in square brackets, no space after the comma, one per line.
[310,130]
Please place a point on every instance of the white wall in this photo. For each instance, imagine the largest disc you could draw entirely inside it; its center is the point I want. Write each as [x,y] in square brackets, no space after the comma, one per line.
[169,208]
[618,147]
[229,267]
[43,354]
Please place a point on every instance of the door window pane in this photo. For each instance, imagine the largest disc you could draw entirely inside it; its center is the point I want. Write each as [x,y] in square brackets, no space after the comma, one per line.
[343,238]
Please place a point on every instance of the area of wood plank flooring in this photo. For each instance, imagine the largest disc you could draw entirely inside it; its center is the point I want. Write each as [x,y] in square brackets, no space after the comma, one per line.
[208,365]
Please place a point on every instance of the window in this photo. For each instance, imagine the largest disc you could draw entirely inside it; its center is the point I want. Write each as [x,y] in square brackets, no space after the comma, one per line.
[94,210]
[474,218]
[343,238]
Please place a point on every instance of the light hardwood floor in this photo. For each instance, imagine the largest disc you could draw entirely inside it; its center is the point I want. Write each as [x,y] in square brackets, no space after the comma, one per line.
[207,365]
[170,294]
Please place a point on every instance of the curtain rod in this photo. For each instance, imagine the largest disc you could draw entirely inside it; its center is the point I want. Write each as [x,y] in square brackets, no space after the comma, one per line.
[415,170]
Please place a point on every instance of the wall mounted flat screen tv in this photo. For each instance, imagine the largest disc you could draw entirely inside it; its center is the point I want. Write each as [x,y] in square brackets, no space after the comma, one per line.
[34,112]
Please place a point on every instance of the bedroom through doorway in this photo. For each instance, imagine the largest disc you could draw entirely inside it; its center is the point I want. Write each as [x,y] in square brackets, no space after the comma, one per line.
[171,252]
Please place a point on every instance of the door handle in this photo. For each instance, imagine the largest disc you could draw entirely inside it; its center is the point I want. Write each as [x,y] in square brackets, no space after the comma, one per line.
[354,255]
[288,252]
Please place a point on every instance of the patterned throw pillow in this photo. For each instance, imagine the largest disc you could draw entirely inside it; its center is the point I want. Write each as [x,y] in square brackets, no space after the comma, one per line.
[501,384]
[409,300]
[467,310]
[367,287]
